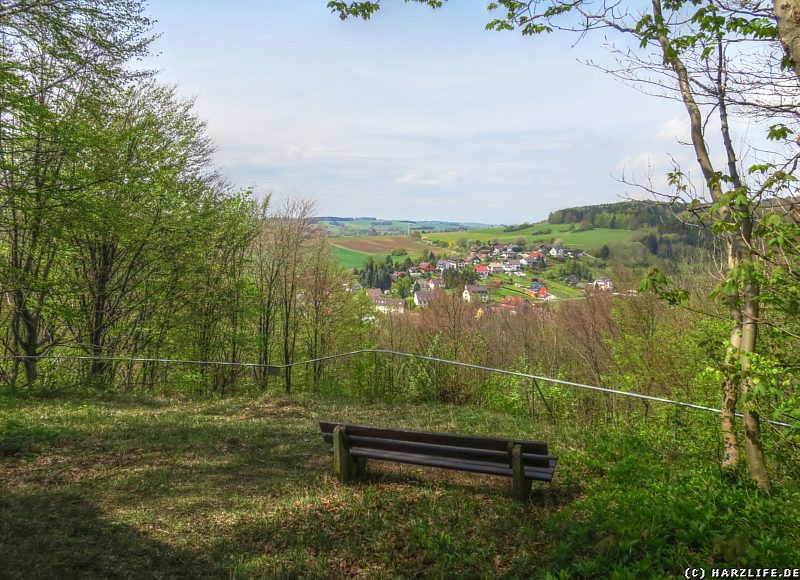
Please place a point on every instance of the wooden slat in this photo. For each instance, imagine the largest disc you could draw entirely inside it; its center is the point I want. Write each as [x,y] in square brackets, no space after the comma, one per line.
[470,441]
[431,461]
[489,455]
[539,474]
[547,465]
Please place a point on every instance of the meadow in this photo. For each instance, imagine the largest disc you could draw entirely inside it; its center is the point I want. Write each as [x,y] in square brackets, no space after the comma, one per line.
[557,289]
[352,252]
[589,240]
[119,486]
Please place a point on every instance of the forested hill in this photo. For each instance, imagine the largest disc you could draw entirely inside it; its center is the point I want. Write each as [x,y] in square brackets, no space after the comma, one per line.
[626,215]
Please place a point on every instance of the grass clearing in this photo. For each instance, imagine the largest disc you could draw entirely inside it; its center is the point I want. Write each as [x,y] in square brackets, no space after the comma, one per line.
[128,487]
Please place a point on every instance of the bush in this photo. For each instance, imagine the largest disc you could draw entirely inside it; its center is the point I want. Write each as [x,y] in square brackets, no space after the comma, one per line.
[670,523]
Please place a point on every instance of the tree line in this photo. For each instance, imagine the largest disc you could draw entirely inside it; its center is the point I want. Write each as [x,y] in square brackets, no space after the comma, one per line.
[118,237]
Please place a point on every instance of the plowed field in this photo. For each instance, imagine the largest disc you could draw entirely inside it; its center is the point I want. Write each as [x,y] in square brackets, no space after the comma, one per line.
[381,244]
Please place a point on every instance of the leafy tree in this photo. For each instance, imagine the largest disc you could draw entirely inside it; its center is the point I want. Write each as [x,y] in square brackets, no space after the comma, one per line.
[459,278]
[55,55]
[150,148]
[403,287]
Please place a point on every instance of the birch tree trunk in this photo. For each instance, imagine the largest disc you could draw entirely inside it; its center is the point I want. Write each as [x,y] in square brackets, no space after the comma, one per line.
[787,13]
[743,301]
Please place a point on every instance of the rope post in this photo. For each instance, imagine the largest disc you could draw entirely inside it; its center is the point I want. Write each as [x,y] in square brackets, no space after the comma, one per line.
[375,369]
[546,404]
[533,399]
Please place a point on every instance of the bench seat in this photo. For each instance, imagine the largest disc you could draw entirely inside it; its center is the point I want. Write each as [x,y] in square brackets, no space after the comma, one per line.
[523,461]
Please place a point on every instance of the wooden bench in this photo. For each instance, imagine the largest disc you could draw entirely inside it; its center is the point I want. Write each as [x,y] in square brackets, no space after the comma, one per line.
[523,461]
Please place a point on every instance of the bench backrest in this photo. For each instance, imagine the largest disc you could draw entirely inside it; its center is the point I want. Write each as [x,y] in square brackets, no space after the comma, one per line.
[491,450]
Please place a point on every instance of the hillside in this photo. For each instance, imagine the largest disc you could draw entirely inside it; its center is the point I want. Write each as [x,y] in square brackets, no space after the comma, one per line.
[574,248]
[540,233]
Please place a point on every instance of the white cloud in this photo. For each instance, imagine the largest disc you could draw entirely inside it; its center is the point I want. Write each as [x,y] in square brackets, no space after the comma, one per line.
[673,129]
[410,115]
[408,178]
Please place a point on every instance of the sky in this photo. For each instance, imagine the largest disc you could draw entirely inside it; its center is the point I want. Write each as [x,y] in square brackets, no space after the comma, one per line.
[417,114]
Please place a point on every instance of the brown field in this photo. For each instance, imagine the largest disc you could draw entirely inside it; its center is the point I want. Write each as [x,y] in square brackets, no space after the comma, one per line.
[381,244]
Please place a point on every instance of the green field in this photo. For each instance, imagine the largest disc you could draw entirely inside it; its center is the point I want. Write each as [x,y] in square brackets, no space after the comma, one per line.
[560,290]
[353,251]
[352,259]
[119,487]
[557,289]
[589,240]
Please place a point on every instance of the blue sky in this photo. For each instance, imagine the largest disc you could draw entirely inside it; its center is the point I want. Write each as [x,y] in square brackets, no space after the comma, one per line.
[417,114]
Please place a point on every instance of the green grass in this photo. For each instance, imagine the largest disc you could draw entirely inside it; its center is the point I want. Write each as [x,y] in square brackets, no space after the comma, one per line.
[560,290]
[123,487]
[351,259]
[557,289]
[589,240]
[348,258]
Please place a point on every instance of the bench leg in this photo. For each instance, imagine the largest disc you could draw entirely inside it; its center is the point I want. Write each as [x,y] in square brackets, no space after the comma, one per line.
[344,466]
[521,487]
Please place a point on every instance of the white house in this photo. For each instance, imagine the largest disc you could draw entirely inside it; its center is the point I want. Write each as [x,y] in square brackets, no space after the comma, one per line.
[424,297]
[603,283]
[474,293]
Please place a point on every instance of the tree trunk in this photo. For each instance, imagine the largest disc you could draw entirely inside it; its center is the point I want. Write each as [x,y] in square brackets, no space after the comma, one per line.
[730,440]
[730,461]
[787,13]
[743,305]
[756,464]
[25,329]
[29,364]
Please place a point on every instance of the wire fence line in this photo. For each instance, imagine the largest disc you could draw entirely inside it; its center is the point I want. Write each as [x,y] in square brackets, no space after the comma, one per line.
[275,368]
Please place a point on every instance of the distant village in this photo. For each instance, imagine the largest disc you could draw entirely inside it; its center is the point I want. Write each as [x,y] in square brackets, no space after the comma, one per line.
[477,277]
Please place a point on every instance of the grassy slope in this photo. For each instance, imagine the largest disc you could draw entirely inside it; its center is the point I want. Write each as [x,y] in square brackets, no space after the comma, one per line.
[242,488]
[590,240]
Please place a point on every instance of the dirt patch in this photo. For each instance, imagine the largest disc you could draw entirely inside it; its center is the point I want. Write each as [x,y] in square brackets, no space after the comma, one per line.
[266,408]
[381,244]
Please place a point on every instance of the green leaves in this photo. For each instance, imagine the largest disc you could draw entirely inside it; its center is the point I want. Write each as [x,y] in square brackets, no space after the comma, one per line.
[362,10]
[366,9]
[779,132]
[655,281]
